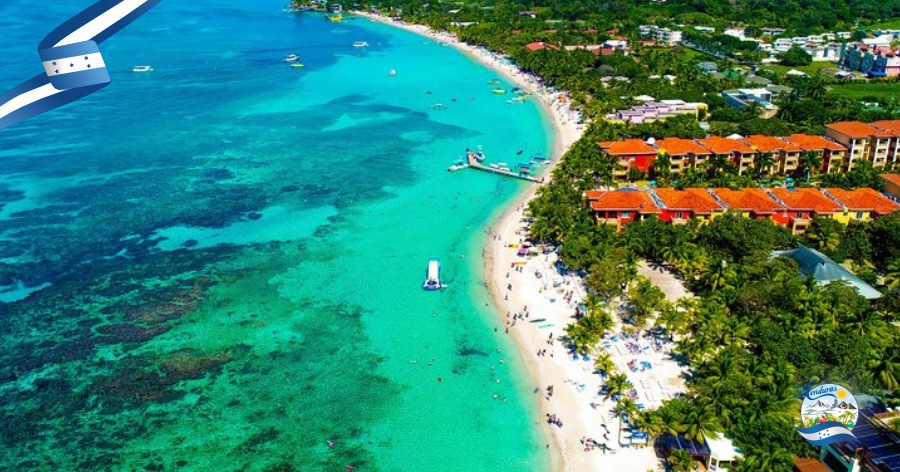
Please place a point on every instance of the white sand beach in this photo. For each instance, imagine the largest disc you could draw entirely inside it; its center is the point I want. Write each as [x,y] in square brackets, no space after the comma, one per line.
[584,414]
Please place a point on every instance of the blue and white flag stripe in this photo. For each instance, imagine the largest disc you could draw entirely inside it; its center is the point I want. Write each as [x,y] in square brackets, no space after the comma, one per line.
[67,65]
[72,62]
[828,432]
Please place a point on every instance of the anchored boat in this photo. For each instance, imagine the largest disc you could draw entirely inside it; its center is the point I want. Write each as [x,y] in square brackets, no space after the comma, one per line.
[433,275]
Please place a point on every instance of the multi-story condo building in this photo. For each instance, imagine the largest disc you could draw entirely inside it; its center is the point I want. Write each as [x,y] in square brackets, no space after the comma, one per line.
[863,141]
[832,154]
[786,156]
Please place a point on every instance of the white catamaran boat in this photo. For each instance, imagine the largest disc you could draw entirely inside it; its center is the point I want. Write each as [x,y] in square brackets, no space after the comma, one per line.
[433,275]
[360,44]
[142,69]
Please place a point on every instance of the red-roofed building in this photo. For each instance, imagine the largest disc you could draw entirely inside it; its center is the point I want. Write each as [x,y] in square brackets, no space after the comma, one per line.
[678,206]
[630,153]
[752,203]
[832,154]
[862,204]
[785,154]
[802,205]
[540,46]
[807,464]
[683,153]
[892,127]
[864,141]
[618,207]
[892,184]
[738,153]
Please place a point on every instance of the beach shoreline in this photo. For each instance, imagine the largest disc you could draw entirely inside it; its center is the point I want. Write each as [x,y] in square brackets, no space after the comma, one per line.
[566,131]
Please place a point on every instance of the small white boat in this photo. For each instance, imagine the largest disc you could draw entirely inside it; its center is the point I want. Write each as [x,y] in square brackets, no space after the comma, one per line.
[360,44]
[494,166]
[142,69]
[291,58]
[456,167]
[433,275]
[297,65]
[393,72]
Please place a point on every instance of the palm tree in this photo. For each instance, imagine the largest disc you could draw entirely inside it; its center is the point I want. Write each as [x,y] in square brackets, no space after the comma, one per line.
[604,363]
[699,420]
[719,276]
[887,372]
[892,274]
[617,384]
[763,164]
[680,461]
[810,163]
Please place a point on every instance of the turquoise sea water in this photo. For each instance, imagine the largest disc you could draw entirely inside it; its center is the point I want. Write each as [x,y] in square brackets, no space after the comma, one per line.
[225,254]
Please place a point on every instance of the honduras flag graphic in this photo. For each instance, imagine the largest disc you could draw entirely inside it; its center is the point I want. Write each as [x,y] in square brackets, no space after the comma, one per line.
[828,432]
[73,66]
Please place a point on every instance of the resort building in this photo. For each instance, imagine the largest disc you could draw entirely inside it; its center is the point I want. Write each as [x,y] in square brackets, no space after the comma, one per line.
[715,453]
[832,154]
[751,203]
[842,145]
[619,207]
[785,156]
[665,36]
[651,111]
[679,206]
[792,208]
[891,127]
[802,204]
[629,154]
[861,204]
[875,447]
[824,270]
[746,98]
[863,141]
[892,185]
[735,151]
[877,59]
[683,153]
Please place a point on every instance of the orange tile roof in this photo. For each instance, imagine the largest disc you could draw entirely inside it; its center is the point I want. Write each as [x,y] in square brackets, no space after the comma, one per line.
[681,147]
[768,144]
[857,129]
[696,199]
[807,464]
[720,145]
[806,199]
[594,194]
[864,199]
[808,142]
[750,199]
[892,178]
[628,146]
[632,200]
[891,126]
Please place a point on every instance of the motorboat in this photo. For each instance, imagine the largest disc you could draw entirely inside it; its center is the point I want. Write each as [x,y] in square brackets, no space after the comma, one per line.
[142,69]
[291,58]
[494,166]
[433,275]
[457,166]
[360,44]
[498,91]
[494,82]
[479,156]
[297,65]
[393,72]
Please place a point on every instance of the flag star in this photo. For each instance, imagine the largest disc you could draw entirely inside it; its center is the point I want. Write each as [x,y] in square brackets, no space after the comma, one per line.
[57,71]
[85,58]
[88,66]
[54,63]
[71,65]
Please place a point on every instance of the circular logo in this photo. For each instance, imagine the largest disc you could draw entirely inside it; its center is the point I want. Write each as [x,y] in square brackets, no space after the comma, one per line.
[829,403]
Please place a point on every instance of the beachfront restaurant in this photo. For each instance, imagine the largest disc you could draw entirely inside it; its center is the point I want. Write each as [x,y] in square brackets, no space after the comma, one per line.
[715,453]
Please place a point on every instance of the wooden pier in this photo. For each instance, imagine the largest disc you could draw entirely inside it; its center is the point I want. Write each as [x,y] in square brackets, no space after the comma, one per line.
[474,164]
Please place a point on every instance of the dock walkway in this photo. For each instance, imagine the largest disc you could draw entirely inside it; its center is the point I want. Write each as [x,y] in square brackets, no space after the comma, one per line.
[474,164]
